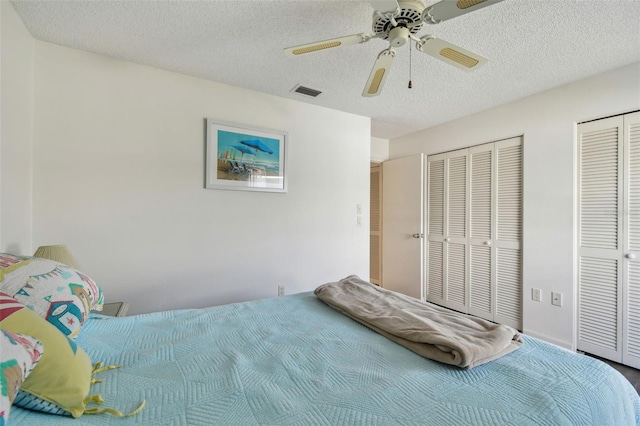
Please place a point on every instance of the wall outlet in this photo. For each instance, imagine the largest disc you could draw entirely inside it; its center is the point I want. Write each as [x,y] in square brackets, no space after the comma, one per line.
[281,290]
[536,294]
[358,220]
[556,299]
[358,208]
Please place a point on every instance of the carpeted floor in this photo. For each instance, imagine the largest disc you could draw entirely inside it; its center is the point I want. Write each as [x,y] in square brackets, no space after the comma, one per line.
[631,374]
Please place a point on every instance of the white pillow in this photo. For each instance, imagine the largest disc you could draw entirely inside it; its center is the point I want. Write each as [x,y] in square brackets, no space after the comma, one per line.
[58,293]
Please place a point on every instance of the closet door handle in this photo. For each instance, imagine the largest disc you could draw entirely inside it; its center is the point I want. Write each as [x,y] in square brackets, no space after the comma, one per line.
[418,235]
[631,256]
[487,243]
[446,240]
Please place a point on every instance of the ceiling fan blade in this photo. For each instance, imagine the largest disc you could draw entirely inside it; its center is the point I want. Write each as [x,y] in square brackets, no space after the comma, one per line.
[449,9]
[450,53]
[384,5]
[379,73]
[327,44]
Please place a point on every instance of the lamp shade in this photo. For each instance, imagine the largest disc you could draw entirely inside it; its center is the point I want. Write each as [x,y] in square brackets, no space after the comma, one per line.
[58,253]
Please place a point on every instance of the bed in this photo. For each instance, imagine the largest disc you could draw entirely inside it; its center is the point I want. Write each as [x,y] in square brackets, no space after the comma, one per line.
[295,360]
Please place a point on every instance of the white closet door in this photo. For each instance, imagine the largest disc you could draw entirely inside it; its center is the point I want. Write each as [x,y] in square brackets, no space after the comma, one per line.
[600,227]
[508,232]
[435,228]
[631,261]
[481,215]
[475,231]
[455,241]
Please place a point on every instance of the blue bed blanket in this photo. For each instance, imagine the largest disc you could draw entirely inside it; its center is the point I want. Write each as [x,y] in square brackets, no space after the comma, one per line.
[294,360]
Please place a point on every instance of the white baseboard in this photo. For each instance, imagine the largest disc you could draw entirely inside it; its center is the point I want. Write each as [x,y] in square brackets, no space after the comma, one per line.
[561,343]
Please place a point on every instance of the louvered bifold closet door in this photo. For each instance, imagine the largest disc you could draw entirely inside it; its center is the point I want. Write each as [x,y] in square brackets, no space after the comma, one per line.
[456,219]
[631,260]
[508,232]
[600,213]
[481,284]
[375,210]
[435,228]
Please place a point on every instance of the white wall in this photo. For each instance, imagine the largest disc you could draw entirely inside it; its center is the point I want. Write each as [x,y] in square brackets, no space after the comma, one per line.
[548,123]
[119,176]
[379,150]
[16,114]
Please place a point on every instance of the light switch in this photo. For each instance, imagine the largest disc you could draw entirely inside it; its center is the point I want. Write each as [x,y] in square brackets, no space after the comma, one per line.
[556,299]
[536,294]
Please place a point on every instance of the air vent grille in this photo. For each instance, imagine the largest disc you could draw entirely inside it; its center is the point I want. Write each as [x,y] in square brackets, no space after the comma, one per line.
[303,90]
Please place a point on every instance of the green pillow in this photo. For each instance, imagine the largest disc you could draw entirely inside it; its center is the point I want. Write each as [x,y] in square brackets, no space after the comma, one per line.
[63,374]
[19,354]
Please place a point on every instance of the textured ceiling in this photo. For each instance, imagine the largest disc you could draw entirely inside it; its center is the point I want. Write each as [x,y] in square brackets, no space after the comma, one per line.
[532,45]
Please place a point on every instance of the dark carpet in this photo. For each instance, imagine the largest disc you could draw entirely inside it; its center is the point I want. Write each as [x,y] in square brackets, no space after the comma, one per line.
[632,374]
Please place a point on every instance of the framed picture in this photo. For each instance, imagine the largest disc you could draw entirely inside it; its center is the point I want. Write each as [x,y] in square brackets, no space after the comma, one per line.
[245,158]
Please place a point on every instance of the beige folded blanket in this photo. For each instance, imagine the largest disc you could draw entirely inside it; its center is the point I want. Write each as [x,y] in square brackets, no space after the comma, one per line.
[429,330]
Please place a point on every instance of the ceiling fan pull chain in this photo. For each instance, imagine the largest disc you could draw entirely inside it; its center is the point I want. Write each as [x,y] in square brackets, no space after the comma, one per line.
[410,49]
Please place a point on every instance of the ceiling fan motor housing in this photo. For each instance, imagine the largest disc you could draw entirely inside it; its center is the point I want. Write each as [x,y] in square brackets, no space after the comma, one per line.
[408,18]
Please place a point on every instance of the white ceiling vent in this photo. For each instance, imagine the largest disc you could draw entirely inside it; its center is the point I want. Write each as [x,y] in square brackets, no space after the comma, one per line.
[303,90]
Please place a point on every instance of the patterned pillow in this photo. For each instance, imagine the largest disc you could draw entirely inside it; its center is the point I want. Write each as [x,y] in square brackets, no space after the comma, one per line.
[58,293]
[63,375]
[19,354]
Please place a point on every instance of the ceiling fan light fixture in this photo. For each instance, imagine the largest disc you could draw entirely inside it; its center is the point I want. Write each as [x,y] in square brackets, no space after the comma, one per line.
[399,36]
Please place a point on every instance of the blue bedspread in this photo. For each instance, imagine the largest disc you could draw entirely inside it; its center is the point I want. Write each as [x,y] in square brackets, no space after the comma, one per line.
[294,360]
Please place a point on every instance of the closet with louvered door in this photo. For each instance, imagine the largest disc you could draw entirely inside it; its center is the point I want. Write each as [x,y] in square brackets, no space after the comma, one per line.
[456,242]
[474,261]
[435,229]
[631,273]
[507,244]
[447,230]
[481,271]
[609,238]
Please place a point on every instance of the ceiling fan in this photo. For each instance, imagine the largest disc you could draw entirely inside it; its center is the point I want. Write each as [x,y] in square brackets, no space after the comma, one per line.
[399,21]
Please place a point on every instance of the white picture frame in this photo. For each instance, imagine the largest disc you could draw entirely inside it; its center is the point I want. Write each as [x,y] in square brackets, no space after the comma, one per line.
[245,158]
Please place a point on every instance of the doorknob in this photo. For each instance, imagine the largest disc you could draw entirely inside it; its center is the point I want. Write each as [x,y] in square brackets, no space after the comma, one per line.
[487,243]
[631,256]
[418,235]
[446,240]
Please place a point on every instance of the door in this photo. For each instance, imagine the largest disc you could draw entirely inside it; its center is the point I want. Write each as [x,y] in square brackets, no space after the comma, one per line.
[600,205]
[631,260]
[481,230]
[403,230]
[508,233]
[456,204]
[448,210]
[474,240]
